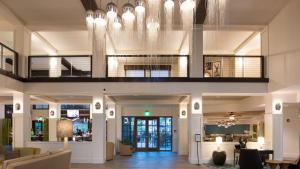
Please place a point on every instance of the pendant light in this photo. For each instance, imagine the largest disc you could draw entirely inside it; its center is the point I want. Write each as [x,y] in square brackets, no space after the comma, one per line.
[128,14]
[112,10]
[117,24]
[187,4]
[100,18]
[140,6]
[169,4]
[89,17]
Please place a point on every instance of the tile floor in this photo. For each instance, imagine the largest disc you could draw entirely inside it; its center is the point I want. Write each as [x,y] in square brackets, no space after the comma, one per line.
[144,160]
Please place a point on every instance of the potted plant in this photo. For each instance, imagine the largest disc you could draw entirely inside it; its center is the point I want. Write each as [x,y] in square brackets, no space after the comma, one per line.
[243,142]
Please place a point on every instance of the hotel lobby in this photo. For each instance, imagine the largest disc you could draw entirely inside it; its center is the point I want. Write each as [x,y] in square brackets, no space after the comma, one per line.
[170,84]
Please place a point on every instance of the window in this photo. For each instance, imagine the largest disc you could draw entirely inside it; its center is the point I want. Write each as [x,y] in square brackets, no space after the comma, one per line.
[165,133]
[160,73]
[128,130]
[135,73]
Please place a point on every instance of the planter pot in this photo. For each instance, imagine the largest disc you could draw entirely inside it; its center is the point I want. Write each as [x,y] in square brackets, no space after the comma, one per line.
[219,157]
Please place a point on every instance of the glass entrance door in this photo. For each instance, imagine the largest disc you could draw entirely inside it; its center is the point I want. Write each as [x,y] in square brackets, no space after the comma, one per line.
[146,134]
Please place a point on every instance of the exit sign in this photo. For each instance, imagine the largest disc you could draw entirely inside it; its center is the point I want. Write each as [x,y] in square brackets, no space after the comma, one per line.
[147,113]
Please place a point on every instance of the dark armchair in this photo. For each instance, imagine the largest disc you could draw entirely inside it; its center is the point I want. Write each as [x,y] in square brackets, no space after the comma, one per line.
[297,166]
[250,159]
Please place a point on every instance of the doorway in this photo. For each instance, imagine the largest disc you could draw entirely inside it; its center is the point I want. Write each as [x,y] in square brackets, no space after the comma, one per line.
[148,133]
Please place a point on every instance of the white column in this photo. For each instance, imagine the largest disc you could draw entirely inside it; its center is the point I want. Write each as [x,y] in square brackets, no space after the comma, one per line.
[183,130]
[99,127]
[2,109]
[195,127]
[274,122]
[54,67]
[196,52]
[118,125]
[54,115]
[21,119]
[22,41]
[111,124]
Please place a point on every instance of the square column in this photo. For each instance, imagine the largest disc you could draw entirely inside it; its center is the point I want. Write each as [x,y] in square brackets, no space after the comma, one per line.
[118,125]
[111,124]
[54,116]
[195,127]
[196,52]
[183,130]
[21,119]
[99,127]
[274,122]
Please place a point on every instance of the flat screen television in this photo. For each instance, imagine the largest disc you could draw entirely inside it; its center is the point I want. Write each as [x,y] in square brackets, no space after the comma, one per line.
[72,113]
[80,125]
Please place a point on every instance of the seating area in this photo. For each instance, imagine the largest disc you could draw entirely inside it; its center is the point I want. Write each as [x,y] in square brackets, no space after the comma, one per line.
[30,158]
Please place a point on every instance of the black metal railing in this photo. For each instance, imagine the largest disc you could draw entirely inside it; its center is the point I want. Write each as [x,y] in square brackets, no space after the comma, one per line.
[219,66]
[143,66]
[60,66]
[8,60]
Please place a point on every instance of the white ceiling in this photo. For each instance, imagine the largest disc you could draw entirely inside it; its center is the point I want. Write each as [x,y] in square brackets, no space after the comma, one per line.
[71,12]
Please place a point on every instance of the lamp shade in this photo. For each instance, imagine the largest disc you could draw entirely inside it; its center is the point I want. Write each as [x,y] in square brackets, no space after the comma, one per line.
[261,141]
[219,140]
[64,128]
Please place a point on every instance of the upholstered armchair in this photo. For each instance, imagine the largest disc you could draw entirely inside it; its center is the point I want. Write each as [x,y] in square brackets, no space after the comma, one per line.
[125,150]
[250,159]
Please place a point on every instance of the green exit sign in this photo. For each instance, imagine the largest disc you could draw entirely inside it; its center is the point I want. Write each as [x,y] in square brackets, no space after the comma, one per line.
[147,113]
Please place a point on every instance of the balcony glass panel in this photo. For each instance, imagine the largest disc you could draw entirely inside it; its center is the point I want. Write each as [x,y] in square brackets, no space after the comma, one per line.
[56,66]
[233,66]
[8,59]
[147,66]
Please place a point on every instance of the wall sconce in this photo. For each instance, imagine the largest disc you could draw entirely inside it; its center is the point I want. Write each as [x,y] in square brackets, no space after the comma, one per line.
[278,107]
[196,106]
[111,113]
[183,113]
[52,113]
[18,106]
[97,105]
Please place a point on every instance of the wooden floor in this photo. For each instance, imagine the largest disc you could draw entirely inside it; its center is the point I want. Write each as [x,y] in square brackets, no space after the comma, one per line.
[144,160]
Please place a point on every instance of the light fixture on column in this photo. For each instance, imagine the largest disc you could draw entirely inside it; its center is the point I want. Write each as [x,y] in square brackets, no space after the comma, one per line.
[112,11]
[187,4]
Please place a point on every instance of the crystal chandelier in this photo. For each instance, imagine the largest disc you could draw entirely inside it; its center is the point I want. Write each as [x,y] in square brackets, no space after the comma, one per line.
[187,4]
[112,11]
[117,24]
[128,14]
[100,18]
[140,6]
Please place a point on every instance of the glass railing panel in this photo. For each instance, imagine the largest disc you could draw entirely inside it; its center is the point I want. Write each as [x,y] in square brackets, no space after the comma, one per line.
[147,66]
[233,66]
[60,66]
[8,60]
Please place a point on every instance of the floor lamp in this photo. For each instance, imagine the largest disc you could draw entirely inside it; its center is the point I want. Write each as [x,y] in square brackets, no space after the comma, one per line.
[65,130]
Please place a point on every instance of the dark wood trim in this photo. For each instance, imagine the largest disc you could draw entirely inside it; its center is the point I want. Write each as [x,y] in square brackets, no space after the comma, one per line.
[128,79]
[89,5]
[201,11]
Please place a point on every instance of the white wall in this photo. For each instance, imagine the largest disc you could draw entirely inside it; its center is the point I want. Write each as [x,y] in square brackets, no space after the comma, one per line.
[156,110]
[2,109]
[291,131]
[284,47]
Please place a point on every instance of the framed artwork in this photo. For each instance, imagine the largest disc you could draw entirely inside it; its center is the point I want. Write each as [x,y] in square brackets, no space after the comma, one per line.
[208,72]
[217,69]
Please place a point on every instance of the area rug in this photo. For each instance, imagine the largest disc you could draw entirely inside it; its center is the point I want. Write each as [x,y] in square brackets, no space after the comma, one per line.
[211,166]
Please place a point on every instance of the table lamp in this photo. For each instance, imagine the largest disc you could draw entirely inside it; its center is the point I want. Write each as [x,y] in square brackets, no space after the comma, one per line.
[219,141]
[65,130]
[261,142]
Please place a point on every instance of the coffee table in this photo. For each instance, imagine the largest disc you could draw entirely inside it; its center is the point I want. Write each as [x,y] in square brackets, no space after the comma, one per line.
[273,163]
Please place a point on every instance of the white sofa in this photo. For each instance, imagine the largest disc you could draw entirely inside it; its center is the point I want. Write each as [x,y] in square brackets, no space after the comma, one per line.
[49,160]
